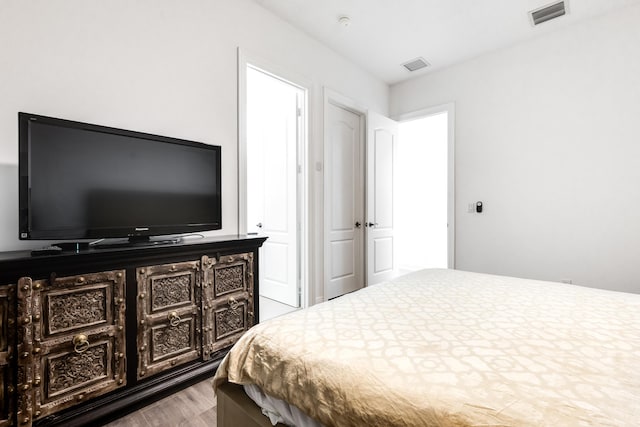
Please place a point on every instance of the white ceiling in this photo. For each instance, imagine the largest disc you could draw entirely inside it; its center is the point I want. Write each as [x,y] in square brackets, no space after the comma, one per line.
[384,34]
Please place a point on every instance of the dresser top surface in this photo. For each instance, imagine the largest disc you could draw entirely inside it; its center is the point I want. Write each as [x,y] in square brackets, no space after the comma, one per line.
[185,244]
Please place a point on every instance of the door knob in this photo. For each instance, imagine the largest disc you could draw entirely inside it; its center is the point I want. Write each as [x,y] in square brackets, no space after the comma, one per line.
[371,224]
[259,225]
[358,225]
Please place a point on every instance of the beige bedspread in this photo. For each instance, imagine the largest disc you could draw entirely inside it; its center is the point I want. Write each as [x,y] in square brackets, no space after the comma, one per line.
[445,347]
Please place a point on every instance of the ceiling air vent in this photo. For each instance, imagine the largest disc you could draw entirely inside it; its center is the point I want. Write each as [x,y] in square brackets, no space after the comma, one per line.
[415,64]
[548,12]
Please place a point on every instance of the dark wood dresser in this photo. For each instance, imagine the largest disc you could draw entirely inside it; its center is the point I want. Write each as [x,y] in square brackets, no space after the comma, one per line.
[90,335]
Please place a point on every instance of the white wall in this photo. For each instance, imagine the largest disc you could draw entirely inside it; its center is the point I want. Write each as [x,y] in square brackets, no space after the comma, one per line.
[158,66]
[547,136]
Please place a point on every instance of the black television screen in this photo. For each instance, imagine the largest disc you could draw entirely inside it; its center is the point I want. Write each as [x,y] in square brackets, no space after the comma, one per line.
[83,181]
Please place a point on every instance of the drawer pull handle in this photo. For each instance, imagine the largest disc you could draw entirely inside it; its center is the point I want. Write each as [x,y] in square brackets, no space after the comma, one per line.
[174,319]
[80,343]
[233,303]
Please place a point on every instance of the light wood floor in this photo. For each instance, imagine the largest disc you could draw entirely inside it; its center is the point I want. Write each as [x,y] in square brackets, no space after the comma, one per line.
[192,407]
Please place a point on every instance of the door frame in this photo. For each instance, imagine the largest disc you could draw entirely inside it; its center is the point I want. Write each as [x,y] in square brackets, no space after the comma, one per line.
[332,97]
[246,59]
[448,108]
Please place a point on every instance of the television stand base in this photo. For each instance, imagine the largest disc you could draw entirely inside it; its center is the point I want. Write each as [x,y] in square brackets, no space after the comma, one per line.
[138,242]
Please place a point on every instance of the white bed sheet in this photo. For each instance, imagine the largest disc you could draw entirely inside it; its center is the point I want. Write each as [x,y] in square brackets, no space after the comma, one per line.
[279,411]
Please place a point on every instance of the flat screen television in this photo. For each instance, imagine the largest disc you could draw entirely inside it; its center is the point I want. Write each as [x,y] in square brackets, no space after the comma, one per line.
[84,181]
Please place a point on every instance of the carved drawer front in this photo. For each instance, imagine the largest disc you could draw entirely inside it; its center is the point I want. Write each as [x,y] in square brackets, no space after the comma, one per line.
[168,317]
[227,303]
[74,337]
[7,295]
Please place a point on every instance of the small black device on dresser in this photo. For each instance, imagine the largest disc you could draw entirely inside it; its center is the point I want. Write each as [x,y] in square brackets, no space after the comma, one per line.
[47,250]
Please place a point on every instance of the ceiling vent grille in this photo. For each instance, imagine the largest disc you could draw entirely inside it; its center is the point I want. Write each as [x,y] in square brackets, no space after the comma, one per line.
[415,64]
[548,12]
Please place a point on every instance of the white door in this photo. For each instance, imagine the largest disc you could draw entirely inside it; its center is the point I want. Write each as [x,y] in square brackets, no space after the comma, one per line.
[344,201]
[273,131]
[382,140]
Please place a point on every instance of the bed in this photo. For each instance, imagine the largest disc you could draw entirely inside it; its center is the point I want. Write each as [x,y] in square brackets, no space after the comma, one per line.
[449,348]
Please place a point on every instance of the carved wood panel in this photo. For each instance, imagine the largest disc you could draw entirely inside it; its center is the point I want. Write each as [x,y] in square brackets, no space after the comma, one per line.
[72,342]
[229,320]
[227,302]
[168,316]
[7,322]
[229,279]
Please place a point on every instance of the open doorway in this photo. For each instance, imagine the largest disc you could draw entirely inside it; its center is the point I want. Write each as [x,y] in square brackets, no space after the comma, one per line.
[273,138]
[424,192]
